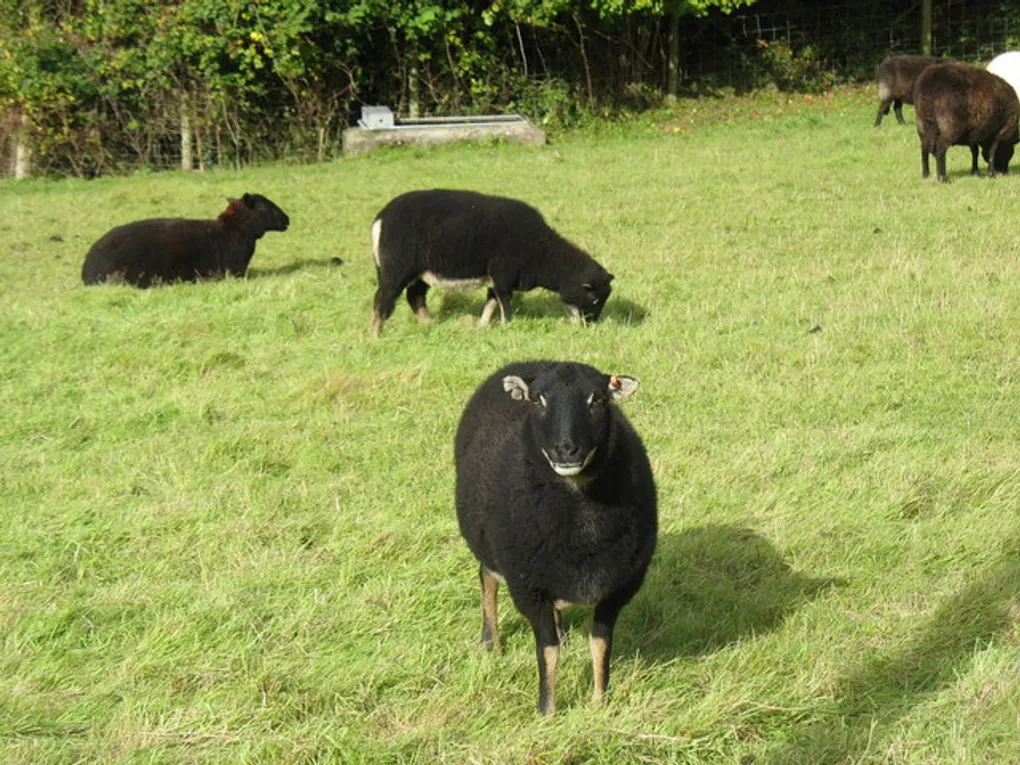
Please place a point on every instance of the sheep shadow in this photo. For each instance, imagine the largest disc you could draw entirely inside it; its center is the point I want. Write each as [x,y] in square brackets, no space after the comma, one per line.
[876,695]
[537,304]
[712,586]
[290,268]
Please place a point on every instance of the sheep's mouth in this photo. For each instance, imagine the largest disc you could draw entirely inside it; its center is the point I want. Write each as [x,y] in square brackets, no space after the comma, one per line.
[569,469]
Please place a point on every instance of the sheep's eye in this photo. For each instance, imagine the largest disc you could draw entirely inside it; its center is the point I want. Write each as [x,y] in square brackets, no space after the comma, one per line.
[541,401]
[594,402]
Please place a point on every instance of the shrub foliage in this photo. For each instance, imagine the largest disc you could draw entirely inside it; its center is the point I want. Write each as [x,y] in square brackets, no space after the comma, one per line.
[100,86]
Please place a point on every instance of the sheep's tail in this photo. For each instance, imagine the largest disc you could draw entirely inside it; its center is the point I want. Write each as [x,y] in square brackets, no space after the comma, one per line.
[376,236]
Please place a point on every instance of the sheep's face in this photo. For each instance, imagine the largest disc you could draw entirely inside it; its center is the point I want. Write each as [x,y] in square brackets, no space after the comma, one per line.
[570,412]
[587,296]
[271,216]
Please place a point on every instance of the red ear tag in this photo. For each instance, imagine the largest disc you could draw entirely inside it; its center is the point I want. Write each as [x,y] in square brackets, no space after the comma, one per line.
[614,382]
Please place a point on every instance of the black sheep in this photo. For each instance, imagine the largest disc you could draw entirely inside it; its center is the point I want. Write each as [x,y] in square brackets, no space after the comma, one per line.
[961,105]
[555,497]
[464,239]
[161,250]
[896,78]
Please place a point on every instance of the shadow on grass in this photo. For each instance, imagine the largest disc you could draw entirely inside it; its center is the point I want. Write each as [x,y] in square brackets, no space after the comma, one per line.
[707,588]
[290,268]
[875,696]
[962,173]
[535,304]
[712,586]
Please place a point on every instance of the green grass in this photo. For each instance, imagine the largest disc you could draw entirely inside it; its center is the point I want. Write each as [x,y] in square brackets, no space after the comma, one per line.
[227,529]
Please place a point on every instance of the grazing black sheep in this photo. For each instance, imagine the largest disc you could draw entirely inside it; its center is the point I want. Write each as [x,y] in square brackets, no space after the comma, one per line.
[464,239]
[896,78]
[555,497]
[961,105]
[161,250]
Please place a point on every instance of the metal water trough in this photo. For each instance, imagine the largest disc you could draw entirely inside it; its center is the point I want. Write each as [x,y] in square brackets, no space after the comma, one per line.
[378,126]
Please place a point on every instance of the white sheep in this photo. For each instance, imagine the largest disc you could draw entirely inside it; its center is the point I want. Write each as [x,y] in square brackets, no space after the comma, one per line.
[1007,66]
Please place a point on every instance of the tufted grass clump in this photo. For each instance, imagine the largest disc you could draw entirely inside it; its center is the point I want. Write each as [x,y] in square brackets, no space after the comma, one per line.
[227,529]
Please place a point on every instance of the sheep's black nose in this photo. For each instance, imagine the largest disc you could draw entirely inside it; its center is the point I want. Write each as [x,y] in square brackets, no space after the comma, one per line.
[568,452]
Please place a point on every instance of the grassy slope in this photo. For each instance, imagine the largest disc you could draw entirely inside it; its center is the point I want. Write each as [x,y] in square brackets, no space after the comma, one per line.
[228,532]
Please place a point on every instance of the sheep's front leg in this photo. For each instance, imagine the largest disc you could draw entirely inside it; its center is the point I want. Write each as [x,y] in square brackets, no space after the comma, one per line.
[490,587]
[491,304]
[925,170]
[601,644]
[547,651]
[974,160]
[496,299]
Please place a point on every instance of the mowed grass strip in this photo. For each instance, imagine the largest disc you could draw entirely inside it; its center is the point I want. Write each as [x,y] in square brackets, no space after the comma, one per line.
[228,531]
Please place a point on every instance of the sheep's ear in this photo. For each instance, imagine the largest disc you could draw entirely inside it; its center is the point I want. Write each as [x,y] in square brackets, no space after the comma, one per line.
[621,386]
[249,200]
[609,278]
[516,387]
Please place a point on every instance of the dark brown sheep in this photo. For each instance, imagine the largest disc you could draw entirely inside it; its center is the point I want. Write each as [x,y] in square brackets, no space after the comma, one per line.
[161,250]
[896,78]
[961,105]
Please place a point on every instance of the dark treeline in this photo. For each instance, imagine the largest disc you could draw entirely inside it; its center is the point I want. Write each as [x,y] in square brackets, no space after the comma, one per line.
[90,87]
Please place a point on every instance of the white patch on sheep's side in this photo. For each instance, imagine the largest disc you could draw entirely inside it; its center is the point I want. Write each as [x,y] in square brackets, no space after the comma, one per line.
[376,236]
[433,279]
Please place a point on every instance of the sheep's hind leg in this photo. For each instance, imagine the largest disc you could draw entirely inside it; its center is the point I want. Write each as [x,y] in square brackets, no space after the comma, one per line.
[883,110]
[940,165]
[898,108]
[561,633]
[383,304]
[991,158]
[416,292]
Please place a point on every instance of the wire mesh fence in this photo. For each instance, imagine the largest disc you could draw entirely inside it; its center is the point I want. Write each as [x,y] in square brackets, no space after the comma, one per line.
[849,39]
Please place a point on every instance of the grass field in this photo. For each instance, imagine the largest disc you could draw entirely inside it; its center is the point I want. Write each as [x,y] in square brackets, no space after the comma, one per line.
[227,530]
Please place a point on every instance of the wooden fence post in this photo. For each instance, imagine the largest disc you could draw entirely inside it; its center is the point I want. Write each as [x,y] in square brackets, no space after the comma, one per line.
[22,154]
